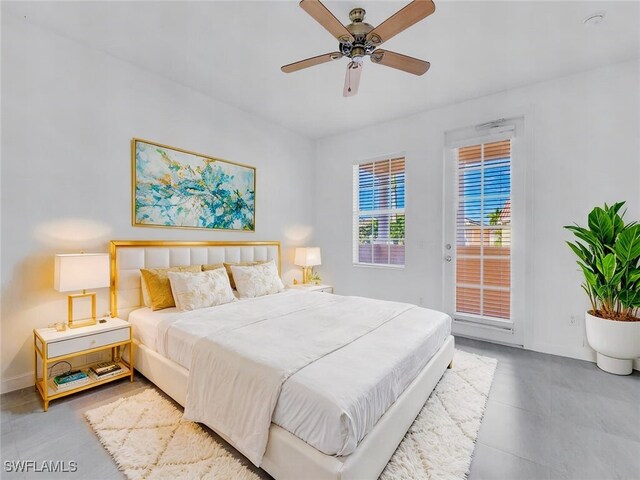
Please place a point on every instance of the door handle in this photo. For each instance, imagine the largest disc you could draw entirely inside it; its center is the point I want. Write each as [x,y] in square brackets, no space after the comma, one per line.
[448,258]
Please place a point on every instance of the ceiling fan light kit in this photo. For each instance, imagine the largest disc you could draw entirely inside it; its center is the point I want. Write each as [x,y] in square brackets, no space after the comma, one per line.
[359,39]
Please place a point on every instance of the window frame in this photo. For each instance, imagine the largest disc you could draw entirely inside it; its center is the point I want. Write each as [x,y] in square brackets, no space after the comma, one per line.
[356,213]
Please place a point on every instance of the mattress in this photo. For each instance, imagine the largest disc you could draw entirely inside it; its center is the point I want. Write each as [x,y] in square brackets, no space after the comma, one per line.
[335,401]
[145,324]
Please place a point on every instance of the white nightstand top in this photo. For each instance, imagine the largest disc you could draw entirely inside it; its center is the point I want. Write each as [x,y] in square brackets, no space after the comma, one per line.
[52,335]
[312,287]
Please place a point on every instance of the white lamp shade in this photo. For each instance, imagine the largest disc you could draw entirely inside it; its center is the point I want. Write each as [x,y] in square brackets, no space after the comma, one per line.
[81,271]
[308,257]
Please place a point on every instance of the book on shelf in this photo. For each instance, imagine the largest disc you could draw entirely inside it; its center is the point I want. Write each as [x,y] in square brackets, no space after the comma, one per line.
[70,377]
[105,368]
[63,387]
[114,373]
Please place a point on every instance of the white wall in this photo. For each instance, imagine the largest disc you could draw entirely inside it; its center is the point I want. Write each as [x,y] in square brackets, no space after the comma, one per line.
[585,138]
[68,116]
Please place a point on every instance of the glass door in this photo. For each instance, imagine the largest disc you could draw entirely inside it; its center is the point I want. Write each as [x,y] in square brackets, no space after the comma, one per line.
[478,239]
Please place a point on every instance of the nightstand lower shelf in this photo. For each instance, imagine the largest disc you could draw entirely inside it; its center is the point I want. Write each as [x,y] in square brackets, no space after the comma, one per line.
[53,393]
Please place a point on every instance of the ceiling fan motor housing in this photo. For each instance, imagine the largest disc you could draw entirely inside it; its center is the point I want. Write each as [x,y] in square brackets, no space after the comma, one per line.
[359,29]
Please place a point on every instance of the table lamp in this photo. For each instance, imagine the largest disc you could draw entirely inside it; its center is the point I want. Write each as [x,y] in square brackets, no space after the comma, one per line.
[81,271]
[307,258]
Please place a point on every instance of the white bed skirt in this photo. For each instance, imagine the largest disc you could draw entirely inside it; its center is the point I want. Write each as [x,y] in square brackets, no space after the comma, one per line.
[288,457]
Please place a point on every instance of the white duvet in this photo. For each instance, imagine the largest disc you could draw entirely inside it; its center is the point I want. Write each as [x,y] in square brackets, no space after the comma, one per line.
[324,367]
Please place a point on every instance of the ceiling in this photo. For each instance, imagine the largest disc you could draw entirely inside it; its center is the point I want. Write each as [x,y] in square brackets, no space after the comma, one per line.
[232,51]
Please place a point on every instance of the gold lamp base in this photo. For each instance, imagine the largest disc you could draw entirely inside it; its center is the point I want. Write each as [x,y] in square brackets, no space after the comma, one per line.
[307,273]
[82,322]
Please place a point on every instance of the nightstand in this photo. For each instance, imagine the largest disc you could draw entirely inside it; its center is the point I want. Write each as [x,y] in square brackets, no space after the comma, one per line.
[312,287]
[51,347]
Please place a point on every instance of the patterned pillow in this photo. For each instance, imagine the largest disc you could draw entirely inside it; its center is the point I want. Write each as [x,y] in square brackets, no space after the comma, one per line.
[228,266]
[200,290]
[257,280]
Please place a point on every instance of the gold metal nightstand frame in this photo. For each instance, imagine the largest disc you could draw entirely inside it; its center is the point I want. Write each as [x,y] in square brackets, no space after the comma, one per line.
[41,383]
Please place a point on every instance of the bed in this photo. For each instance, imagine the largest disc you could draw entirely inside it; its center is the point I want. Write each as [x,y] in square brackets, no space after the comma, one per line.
[329,422]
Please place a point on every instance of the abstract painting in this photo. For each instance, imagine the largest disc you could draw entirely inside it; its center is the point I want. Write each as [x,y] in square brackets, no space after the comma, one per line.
[177,188]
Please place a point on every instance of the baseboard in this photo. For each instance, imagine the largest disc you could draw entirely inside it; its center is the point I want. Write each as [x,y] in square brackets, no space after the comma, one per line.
[578,353]
[16,383]
[586,354]
[22,381]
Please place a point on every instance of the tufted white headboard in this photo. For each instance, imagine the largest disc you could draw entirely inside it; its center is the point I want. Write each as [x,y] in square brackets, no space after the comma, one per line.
[129,256]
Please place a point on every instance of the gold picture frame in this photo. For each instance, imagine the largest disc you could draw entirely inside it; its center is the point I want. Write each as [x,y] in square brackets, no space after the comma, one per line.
[175,174]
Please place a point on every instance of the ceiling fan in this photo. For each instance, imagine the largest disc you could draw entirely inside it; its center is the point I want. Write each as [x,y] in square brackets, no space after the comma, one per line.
[359,39]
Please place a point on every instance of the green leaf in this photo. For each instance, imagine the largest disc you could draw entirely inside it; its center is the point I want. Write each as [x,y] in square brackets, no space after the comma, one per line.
[629,298]
[615,208]
[587,236]
[618,225]
[634,276]
[601,225]
[577,250]
[627,246]
[589,276]
[617,277]
[616,219]
[607,266]
[587,253]
[601,292]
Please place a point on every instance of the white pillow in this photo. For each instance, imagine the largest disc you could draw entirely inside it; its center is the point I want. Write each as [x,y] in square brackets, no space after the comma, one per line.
[257,280]
[192,291]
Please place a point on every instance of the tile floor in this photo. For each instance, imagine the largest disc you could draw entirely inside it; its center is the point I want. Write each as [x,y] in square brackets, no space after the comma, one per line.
[547,418]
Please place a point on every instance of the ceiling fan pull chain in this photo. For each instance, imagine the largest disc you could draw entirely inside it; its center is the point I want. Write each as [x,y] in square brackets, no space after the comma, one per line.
[349,68]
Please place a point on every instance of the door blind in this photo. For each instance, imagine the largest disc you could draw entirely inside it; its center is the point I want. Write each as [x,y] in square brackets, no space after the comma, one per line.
[378,212]
[483,230]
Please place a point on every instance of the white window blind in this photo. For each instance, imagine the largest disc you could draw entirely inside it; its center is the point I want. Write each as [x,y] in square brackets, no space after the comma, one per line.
[378,212]
[483,230]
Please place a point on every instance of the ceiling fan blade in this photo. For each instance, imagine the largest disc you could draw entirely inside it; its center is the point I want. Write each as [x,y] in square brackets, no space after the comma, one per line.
[324,17]
[401,20]
[310,62]
[400,62]
[352,79]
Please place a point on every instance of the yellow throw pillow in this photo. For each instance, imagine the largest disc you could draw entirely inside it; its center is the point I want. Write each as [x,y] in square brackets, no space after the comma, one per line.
[237,264]
[159,287]
[212,266]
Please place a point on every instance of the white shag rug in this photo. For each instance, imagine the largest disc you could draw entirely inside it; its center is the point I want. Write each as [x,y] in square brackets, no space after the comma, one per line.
[148,438]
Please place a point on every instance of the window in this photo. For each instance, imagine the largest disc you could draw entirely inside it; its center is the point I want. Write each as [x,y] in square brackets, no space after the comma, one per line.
[378,213]
[483,230]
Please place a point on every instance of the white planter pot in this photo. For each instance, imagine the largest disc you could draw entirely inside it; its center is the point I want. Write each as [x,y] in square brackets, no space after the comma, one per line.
[616,343]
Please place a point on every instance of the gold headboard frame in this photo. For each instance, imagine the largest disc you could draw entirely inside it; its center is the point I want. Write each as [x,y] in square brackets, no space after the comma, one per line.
[116,245]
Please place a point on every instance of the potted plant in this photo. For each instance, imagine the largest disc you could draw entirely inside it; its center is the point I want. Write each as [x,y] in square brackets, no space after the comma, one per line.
[608,253]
